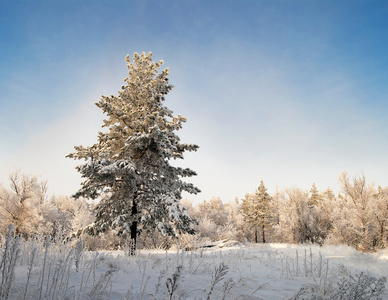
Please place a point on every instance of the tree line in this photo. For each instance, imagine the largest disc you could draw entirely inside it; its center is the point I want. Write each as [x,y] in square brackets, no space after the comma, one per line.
[357,216]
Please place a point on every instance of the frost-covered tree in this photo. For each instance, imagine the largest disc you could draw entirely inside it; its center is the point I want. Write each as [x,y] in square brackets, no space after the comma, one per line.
[69,215]
[23,204]
[299,221]
[257,212]
[380,212]
[315,197]
[129,167]
[214,210]
[216,221]
[358,199]
[235,220]
[341,218]
[328,194]
[299,213]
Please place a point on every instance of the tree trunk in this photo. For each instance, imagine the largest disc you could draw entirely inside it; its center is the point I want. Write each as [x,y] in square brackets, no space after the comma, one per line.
[133,228]
[263,234]
[365,246]
[263,228]
[256,240]
[382,243]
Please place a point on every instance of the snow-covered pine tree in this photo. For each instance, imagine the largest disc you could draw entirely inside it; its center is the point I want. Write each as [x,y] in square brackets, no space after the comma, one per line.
[256,210]
[315,197]
[129,167]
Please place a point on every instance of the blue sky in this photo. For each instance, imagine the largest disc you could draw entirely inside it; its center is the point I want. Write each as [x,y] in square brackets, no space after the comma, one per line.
[288,92]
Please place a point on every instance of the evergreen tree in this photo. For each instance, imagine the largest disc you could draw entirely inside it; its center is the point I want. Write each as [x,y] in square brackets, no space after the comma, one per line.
[129,167]
[314,196]
[328,194]
[256,209]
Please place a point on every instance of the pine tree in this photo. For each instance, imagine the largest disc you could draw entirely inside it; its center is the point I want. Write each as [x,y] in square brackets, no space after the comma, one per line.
[328,194]
[314,199]
[129,167]
[256,209]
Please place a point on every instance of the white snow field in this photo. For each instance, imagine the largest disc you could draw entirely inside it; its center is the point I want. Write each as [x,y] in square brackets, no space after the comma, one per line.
[262,271]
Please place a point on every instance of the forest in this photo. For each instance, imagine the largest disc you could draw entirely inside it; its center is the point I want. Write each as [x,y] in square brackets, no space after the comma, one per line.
[357,217]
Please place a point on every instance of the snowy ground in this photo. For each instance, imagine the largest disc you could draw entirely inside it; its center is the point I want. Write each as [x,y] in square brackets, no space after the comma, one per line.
[264,271]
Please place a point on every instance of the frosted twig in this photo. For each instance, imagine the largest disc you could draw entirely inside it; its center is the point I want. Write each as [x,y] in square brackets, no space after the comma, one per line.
[172,283]
[217,276]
